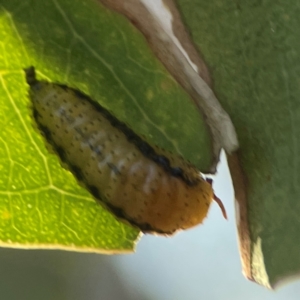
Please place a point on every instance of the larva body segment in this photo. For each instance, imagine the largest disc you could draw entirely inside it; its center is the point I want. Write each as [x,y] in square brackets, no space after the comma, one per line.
[150,188]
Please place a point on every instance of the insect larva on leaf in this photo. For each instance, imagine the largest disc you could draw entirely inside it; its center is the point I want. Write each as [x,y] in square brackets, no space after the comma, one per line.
[154,191]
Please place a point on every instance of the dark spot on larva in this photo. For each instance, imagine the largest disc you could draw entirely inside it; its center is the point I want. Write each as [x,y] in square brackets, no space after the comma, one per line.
[162,160]
[113,122]
[131,136]
[135,187]
[94,191]
[61,152]
[64,87]
[207,204]
[146,149]
[79,94]
[190,181]
[98,150]
[77,172]
[44,130]
[30,77]
[36,114]
[177,172]
[186,204]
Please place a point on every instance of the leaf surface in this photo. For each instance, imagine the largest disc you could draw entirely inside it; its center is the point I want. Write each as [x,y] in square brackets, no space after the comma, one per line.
[252,49]
[88,47]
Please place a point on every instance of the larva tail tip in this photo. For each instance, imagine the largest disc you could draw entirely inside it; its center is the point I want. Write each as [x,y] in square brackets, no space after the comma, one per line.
[218,200]
[221,205]
[30,75]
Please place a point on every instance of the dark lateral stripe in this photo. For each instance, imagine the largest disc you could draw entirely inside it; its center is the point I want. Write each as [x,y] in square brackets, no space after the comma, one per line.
[118,212]
[135,139]
[132,137]
[144,227]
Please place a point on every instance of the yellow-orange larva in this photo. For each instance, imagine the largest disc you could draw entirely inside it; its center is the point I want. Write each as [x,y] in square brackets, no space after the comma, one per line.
[150,188]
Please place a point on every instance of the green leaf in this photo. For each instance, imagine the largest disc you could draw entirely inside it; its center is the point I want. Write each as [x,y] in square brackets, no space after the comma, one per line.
[85,46]
[252,47]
